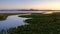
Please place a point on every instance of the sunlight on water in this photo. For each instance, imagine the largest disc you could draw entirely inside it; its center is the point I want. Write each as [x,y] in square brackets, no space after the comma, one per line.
[12,21]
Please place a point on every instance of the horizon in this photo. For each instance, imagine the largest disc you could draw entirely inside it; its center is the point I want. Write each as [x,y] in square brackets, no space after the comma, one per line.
[29,9]
[30,4]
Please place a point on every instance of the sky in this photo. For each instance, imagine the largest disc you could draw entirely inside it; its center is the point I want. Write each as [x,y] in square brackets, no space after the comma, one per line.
[30,4]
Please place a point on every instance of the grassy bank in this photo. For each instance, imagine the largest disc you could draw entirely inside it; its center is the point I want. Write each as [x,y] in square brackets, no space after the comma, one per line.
[39,24]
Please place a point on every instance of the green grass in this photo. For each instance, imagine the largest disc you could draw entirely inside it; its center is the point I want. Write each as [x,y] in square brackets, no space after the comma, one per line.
[39,24]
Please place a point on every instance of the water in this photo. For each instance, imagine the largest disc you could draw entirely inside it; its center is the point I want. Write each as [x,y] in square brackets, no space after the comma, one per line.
[26,11]
[21,11]
[12,21]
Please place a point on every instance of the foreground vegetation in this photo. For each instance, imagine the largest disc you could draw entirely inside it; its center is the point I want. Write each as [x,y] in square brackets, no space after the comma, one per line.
[39,24]
[3,17]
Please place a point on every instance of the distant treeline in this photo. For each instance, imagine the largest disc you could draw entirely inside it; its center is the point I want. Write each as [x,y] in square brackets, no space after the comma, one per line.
[30,10]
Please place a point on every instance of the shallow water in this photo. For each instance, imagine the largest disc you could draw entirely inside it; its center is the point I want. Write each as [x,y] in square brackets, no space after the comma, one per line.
[21,11]
[12,21]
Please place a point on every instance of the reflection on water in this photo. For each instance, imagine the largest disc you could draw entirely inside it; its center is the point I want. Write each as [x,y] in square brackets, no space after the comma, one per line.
[11,21]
